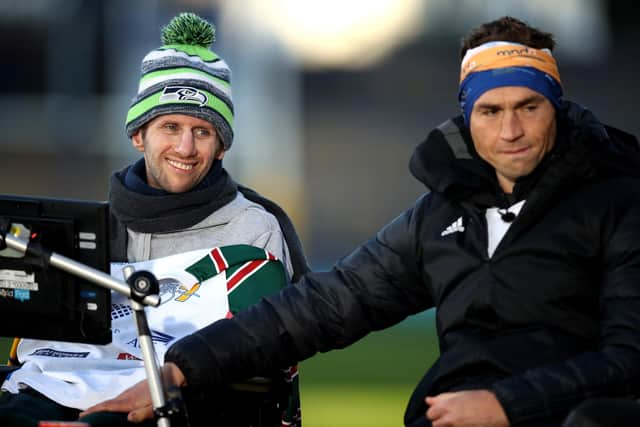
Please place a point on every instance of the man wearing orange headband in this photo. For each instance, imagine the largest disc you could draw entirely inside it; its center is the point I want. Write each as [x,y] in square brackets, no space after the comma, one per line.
[527,244]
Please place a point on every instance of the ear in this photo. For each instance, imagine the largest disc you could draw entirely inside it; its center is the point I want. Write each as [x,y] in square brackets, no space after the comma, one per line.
[137,142]
[220,155]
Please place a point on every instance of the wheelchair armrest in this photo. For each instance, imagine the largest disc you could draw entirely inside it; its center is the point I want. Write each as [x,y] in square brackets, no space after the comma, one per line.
[6,370]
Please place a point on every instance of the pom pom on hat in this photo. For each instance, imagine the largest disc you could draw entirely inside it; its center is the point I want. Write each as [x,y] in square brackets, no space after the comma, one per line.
[184,77]
[189,28]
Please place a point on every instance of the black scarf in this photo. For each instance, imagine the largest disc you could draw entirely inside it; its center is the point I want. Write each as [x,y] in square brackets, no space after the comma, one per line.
[135,205]
[157,211]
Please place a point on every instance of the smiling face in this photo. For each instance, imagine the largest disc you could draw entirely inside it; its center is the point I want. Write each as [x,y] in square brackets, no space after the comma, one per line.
[512,129]
[178,151]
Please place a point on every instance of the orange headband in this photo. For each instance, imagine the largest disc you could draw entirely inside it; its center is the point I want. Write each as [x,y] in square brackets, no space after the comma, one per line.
[492,55]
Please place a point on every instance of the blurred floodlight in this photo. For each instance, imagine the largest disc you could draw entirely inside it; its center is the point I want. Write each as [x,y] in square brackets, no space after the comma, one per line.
[336,33]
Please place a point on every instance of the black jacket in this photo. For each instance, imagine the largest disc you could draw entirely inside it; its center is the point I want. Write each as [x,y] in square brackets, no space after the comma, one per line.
[550,319]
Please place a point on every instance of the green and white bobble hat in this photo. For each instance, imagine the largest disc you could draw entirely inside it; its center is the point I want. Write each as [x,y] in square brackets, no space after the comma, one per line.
[185,77]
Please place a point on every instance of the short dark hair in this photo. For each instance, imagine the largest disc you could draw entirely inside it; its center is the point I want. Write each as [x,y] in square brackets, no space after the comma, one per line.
[508,29]
[143,130]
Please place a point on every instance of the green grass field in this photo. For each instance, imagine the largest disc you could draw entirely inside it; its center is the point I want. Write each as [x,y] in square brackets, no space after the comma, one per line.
[353,405]
[369,383]
[366,384]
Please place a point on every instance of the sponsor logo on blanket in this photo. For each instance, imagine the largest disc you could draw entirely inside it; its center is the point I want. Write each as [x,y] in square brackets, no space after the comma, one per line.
[49,352]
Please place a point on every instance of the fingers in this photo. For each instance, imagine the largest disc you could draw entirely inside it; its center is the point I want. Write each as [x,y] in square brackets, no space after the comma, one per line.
[113,405]
[435,411]
[95,408]
[466,408]
[136,400]
[173,374]
[136,415]
[438,407]
[131,399]
[141,414]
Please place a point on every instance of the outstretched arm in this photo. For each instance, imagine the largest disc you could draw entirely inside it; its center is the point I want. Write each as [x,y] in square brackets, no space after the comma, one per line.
[376,286]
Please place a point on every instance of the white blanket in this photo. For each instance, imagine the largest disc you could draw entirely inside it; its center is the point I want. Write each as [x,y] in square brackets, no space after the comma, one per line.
[81,375]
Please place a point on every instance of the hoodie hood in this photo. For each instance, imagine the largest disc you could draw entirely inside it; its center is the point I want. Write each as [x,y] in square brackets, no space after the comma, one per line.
[447,161]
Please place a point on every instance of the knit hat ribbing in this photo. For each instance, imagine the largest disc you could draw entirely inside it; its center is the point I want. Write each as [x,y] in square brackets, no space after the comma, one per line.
[185,77]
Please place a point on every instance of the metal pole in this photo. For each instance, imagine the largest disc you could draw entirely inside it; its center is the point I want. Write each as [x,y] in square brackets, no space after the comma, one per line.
[148,354]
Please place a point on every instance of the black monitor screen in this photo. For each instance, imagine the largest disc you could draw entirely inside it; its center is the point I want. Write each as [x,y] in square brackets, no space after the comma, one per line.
[40,301]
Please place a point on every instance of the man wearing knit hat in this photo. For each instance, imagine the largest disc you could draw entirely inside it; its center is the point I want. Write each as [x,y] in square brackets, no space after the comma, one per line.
[527,244]
[176,199]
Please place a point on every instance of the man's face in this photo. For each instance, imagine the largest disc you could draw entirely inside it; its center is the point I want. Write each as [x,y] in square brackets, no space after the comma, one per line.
[178,151]
[512,129]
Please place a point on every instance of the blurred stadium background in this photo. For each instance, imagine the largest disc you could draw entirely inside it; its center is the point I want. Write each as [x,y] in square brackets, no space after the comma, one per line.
[331,97]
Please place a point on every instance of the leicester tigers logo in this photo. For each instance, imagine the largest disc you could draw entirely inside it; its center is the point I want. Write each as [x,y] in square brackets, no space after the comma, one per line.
[183,93]
[169,288]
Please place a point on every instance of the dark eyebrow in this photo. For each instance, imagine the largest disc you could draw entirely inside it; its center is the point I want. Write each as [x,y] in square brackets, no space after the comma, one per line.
[528,100]
[533,99]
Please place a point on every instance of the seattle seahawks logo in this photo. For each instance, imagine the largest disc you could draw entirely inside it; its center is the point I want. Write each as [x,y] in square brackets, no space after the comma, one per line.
[183,93]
